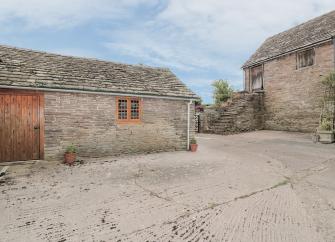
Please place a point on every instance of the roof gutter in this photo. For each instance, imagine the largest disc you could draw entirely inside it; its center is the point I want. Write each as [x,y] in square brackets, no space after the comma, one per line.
[289,52]
[99,92]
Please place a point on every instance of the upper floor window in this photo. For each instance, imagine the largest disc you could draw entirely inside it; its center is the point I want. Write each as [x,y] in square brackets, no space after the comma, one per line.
[305,58]
[128,110]
[257,77]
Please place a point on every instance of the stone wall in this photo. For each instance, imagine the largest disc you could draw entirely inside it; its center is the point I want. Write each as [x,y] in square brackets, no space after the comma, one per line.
[241,114]
[293,97]
[88,121]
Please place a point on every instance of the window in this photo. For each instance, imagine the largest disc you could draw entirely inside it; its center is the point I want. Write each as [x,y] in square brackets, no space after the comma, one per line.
[122,111]
[257,77]
[305,58]
[134,109]
[128,110]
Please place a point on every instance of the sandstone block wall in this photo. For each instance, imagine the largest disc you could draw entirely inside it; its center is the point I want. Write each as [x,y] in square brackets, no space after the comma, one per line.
[243,113]
[89,122]
[293,97]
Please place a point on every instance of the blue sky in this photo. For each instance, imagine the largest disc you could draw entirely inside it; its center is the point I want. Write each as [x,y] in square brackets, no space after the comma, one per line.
[199,40]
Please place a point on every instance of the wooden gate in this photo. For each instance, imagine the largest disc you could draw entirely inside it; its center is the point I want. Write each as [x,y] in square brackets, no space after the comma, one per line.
[21,125]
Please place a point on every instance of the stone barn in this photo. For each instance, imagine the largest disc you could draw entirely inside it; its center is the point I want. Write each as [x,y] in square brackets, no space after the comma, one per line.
[288,69]
[49,101]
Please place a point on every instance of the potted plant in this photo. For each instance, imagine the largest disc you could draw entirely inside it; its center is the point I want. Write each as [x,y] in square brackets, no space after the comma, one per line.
[70,155]
[193,145]
[326,132]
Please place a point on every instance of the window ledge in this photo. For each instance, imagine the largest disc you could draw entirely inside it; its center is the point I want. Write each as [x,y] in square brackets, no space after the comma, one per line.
[260,90]
[125,122]
[304,68]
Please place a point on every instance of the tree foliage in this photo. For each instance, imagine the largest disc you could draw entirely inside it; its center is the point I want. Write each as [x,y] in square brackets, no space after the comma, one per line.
[222,91]
[198,102]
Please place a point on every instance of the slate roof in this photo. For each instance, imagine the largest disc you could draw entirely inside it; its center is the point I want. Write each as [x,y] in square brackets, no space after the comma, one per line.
[316,30]
[35,69]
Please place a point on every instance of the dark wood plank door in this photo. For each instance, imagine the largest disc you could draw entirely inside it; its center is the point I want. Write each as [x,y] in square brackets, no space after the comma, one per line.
[21,129]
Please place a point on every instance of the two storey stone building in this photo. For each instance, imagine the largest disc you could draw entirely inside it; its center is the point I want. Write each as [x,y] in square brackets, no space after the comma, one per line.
[288,69]
[50,101]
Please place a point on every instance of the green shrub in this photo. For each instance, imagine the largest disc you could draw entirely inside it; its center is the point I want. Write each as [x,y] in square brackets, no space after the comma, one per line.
[193,141]
[329,80]
[222,91]
[71,149]
[326,125]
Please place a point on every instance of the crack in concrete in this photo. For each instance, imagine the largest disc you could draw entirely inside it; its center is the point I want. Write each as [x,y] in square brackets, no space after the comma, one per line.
[301,175]
[214,205]
[287,180]
[140,173]
[279,184]
[153,193]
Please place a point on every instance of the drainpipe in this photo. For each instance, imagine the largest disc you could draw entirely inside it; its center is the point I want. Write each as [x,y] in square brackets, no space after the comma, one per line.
[188,123]
[334,50]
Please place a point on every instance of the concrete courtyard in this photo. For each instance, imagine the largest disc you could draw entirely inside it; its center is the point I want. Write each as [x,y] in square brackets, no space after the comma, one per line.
[259,186]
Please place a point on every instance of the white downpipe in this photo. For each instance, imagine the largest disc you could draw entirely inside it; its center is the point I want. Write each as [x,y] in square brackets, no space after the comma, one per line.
[188,124]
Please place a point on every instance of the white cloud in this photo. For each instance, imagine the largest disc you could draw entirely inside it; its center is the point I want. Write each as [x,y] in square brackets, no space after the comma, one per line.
[157,47]
[186,34]
[228,23]
[213,36]
[64,13]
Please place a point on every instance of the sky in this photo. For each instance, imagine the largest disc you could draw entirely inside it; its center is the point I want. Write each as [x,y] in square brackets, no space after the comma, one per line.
[199,40]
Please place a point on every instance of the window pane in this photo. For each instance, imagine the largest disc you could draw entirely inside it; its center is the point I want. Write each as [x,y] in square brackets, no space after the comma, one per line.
[122,109]
[135,109]
[305,58]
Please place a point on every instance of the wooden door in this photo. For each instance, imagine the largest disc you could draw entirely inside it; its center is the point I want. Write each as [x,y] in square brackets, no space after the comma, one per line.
[21,126]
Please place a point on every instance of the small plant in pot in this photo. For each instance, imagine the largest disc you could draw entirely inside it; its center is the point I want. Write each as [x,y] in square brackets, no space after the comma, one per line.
[193,145]
[70,155]
[326,132]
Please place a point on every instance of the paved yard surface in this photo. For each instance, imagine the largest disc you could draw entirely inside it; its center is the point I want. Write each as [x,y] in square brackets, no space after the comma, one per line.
[260,186]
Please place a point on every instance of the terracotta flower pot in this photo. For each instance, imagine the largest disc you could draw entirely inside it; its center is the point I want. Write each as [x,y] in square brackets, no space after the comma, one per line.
[70,158]
[194,147]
